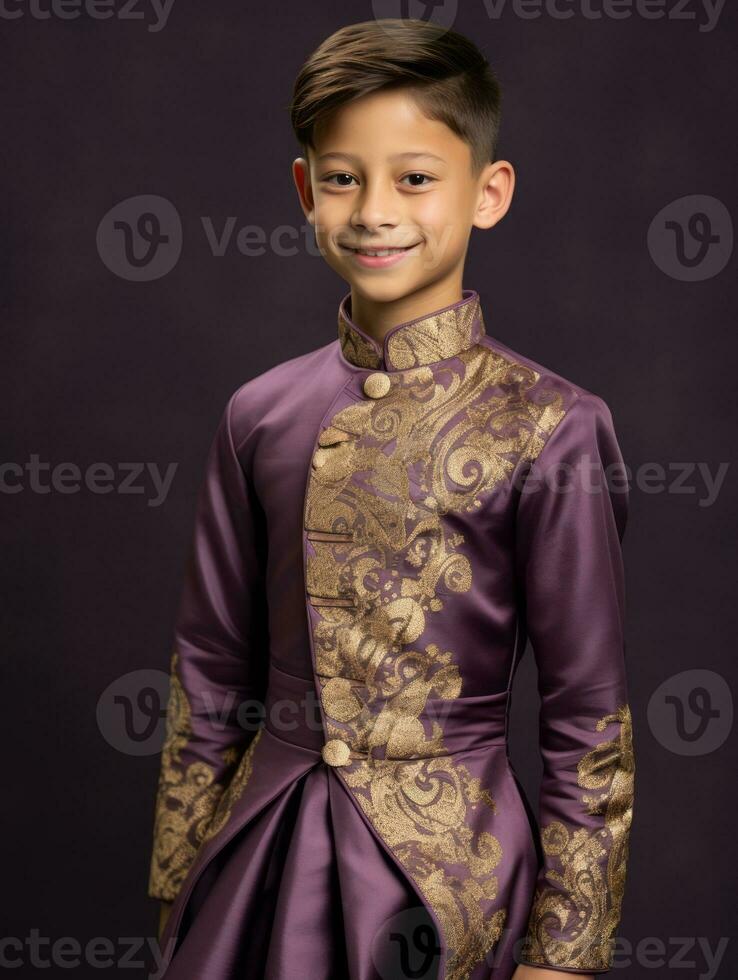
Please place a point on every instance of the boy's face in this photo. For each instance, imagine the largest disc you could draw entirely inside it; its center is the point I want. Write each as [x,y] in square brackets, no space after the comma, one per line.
[384,176]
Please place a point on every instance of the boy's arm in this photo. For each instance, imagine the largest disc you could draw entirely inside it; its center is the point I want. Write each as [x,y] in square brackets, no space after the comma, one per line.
[219,661]
[571,581]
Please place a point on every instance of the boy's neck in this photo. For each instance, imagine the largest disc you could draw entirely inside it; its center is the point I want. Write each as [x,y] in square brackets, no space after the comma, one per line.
[377,318]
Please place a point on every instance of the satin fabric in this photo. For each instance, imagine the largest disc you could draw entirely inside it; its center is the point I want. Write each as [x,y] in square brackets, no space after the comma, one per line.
[280,864]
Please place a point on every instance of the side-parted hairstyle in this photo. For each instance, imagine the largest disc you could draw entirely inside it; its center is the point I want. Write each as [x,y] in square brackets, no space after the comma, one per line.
[444,72]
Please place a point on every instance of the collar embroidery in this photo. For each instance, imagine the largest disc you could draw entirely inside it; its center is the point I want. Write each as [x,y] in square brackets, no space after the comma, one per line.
[432,337]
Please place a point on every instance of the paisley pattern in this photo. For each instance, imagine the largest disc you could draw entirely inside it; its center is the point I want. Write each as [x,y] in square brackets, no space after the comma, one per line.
[189,796]
[426,564]
[422,809]
[234,789]
[382,559]
[587,868]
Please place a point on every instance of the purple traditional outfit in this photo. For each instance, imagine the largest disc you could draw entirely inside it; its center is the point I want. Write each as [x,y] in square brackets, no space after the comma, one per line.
[380,528]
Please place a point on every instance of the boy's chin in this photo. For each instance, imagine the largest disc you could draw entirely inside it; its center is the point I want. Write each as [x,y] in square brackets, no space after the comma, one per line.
[385,286]
[386,291]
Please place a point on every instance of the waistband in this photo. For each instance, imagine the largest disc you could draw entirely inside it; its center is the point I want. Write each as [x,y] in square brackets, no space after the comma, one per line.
[293,714]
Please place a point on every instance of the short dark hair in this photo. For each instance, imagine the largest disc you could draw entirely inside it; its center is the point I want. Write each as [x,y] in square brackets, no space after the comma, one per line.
[445,72]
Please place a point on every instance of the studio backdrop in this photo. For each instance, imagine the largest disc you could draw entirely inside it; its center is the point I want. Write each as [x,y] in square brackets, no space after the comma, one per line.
[155,257]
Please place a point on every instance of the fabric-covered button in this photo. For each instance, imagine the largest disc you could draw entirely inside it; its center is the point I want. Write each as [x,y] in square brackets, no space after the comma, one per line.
[377,385]
[335,752]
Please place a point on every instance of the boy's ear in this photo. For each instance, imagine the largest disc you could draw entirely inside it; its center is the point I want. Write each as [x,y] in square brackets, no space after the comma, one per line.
[301,175]
[497,184]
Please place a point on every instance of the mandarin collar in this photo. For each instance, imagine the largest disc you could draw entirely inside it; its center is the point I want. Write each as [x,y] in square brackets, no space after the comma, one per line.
[443,333]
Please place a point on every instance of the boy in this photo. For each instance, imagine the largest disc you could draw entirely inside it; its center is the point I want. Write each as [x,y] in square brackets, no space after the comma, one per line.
[382,523]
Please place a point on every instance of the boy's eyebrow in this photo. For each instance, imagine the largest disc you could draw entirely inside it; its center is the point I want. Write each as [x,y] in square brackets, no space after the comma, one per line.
[396,156]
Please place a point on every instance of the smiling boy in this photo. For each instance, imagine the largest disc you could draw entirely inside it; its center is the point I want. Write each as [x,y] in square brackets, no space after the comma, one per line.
[389,175]
[382,525]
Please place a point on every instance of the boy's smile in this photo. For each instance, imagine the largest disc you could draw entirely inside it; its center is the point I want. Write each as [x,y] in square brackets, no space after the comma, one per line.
[393,198]
[379,256]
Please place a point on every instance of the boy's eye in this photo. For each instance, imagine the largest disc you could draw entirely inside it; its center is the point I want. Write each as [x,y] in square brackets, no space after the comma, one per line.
[422,176]
[331,177]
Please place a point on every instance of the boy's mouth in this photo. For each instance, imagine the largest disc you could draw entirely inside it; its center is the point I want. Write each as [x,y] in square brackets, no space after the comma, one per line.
[377,249]
[378,258]
[379,252]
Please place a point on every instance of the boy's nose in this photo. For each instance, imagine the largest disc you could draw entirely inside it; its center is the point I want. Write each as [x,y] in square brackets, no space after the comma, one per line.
[374,209]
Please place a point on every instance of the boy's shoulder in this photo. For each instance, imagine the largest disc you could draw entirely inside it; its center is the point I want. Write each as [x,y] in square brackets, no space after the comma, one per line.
[581,418]
[273,380]
[540,371]
[289,383]
[537,378]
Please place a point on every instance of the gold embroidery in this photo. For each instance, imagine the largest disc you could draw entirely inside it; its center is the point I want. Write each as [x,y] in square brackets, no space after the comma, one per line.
[438,443]
[419,342]
[187,797]
[234,789]
[583,901]
[436,337]
[422,810]
[357,348]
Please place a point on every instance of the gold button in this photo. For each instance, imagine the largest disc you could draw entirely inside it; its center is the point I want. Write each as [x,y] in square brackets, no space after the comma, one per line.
[319,458]
[377,385]
[335,752]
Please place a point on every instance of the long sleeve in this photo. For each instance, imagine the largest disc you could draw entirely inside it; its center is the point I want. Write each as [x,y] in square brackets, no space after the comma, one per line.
[218,663]
[571,517]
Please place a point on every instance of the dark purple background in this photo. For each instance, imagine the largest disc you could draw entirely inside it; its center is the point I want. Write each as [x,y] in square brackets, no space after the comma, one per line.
[606,121]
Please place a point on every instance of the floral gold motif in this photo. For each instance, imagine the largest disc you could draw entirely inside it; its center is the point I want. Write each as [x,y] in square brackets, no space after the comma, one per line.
[234,789]
[191,805]
[443,438]
[586,880]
